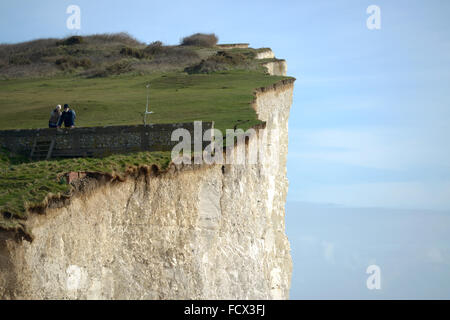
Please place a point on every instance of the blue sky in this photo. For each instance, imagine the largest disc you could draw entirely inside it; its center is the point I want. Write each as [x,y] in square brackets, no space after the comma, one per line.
[369,127]
[332,246]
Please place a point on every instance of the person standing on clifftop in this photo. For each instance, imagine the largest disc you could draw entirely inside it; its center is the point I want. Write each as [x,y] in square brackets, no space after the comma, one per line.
[68,117]
[54,117]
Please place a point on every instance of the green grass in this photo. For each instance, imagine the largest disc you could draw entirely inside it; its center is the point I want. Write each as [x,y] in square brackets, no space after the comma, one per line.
[25,184]
[174,97]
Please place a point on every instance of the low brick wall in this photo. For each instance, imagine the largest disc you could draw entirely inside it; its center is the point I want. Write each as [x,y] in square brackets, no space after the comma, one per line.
[98,141]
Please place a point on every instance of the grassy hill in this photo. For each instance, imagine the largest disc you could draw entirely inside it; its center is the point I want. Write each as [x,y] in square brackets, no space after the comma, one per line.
[104,78]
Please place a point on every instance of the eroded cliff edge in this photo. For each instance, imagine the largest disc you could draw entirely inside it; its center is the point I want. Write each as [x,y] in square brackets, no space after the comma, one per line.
[193,232]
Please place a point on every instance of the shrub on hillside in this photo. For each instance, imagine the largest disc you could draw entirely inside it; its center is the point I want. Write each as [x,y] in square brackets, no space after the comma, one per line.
[36,55]
[154,48]
[19,59]
[223,60]
[110,38]
[39,54]
[70,41]
[116,68]
[175,55]
[119,67]
[134,52]
[200,39]
[26,47]
[69,63]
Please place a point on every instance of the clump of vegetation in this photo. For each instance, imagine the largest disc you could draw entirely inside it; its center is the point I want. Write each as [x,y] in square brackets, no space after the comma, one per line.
[134,52]
[19,59]
[154,48]
[122,38]
[222,60]
[175,55]
[116,68]
[200,40]
[68,63]
[119,67]
[166,58]
[70,41]
[8,158]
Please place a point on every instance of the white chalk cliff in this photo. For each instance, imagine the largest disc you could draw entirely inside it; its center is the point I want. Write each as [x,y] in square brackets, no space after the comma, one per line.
[274,67]
[193,232]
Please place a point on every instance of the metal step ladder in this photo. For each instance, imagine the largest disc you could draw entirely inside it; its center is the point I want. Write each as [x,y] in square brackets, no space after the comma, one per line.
[42,149]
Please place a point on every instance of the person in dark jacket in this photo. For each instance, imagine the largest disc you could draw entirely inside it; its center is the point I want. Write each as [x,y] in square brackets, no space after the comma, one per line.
[54,117]
[67,117]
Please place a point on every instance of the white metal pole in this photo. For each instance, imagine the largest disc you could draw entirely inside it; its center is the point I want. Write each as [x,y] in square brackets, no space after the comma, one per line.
[146,107]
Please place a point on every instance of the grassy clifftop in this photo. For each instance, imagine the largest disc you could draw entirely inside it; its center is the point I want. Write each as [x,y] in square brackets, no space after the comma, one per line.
[104,78]
[223,97]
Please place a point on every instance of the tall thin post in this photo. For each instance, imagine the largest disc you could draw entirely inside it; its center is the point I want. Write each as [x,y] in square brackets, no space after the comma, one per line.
[146,108]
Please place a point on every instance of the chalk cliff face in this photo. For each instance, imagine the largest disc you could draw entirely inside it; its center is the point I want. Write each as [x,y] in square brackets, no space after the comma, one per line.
[265,54]
[193,232]
[276,68]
